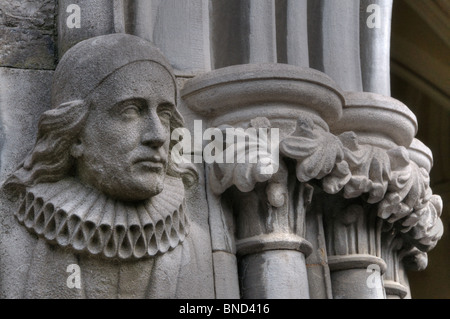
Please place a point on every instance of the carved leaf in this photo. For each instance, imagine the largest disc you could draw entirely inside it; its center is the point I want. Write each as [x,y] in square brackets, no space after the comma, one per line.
[408,190]
[248,168]
[370,168]
[317,153]
[429,228]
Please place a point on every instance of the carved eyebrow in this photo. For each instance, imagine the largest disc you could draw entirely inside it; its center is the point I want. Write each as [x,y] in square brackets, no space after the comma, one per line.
[136,100]
[166,103]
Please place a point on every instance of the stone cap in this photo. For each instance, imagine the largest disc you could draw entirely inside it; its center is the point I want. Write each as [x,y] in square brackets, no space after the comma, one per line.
[420,154]
[85,65]
[270,90]
[377,120]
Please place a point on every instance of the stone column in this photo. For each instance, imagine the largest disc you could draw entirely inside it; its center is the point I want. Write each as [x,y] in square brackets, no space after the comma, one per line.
[334,41]
[353,227]
[392,243]
[352,234]
[375,18]
[297,32]
[243,31]
[261,216]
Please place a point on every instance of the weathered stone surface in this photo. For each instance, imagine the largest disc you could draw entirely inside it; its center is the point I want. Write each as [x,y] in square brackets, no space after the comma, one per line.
[277,274]
[28,14]
[96,18]
[26,49]
[236,94]
[225,275]
[27,34]
[24,96]
[375,28]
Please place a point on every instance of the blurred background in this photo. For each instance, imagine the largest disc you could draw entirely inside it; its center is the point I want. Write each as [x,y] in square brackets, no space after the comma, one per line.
[420,77]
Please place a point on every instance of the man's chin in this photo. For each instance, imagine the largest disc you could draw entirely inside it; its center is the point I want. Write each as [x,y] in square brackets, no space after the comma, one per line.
[139,191]
[147,189]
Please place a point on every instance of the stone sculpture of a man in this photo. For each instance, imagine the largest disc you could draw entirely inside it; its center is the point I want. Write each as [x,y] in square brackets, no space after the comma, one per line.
[99,189]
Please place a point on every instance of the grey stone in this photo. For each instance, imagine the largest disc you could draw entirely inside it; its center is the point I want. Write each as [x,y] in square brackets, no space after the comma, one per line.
[24,96]
[27,34]
[226,275]
[121,214]
[26,49]
[333,30]
[28,14]
[243,32]
[344,212]
[390,117]
[274,275]
[96,18]
[376,46]
[297,32]
[352,284]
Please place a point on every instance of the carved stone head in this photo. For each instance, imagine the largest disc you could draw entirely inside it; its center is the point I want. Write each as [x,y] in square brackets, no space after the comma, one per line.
[113,109]
[100,177]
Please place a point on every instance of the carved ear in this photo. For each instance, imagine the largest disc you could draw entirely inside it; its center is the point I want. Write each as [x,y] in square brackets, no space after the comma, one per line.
[77,149]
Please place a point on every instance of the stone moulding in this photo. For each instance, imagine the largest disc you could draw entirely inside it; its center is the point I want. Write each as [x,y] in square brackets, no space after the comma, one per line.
[355,262]
[238,94]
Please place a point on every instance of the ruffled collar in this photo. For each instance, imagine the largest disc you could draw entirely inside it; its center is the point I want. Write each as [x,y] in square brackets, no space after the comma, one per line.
[73,215]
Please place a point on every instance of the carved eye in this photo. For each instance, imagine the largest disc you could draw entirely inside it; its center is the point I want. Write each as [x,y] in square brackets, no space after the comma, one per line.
[165,112]
[130,111]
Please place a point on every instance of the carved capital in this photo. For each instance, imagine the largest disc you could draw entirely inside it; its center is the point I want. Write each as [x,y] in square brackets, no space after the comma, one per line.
[372,162]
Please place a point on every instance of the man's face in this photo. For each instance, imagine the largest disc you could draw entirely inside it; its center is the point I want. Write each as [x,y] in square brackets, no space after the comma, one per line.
[125,142]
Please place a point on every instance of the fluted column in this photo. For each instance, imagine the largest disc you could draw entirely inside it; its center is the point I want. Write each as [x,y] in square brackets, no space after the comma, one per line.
[334,41]
[292,32]
[243,31]
[375,29]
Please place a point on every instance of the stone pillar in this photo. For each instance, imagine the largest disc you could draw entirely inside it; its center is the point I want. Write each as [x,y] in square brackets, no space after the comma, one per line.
[297,32]
[352,233]
[243,31]
[268,229]
[391,246]
[353,227]
[334,41]
[375,18]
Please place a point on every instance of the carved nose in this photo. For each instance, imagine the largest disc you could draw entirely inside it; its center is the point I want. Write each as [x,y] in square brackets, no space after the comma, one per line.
[154,141]
[155,135]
